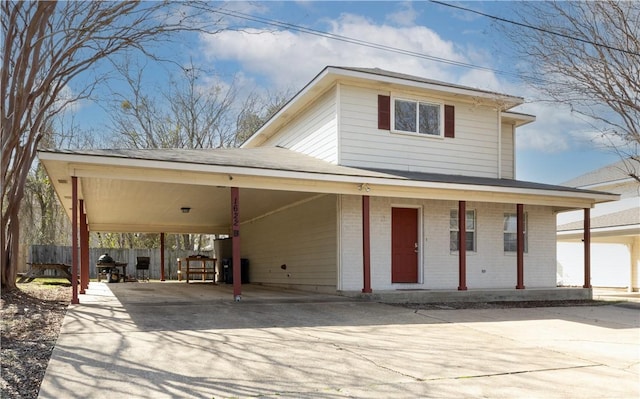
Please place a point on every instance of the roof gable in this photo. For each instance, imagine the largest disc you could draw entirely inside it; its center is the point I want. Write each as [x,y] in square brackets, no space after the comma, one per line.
[332,75]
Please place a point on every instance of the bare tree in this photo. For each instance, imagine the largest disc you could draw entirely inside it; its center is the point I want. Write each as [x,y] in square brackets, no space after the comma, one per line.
[48,47]
[43,220]
[191,112]
[255,111]
[586,54]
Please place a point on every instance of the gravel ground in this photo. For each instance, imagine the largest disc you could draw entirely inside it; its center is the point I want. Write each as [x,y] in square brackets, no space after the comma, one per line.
[30,318]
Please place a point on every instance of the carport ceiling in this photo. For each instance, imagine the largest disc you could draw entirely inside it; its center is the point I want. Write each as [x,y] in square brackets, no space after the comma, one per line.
[138,206]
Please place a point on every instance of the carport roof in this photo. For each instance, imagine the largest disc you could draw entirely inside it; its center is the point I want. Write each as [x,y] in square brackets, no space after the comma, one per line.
[267,158]
[125,189]
[280,159]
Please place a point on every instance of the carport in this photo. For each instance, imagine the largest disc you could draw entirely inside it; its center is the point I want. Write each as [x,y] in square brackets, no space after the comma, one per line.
[145,191]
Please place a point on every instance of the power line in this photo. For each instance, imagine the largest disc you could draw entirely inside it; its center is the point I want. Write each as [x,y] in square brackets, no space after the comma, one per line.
[364,43]
[550,32]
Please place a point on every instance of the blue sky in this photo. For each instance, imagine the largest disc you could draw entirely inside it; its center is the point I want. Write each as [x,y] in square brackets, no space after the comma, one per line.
[557,147]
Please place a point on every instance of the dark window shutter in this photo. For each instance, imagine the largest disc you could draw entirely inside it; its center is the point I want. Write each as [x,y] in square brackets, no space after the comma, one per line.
[384,112]
[449,121]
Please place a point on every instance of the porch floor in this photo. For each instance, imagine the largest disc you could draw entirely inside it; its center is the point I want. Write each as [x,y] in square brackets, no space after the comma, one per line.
[475,295]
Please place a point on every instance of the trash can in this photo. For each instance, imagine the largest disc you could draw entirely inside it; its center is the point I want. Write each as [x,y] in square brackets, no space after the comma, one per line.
[227,270]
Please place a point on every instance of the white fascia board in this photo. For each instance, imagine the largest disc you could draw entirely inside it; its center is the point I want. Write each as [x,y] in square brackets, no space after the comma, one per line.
[520,119]
[443,88]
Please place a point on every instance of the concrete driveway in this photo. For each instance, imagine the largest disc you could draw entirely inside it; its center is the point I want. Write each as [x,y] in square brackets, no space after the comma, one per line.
[173,340]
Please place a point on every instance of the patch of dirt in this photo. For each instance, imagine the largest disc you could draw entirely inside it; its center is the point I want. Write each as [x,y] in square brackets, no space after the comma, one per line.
[30,320]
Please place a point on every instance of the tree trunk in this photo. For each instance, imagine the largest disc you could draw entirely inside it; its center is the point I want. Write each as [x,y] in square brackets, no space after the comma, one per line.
[186,242]
[10,253]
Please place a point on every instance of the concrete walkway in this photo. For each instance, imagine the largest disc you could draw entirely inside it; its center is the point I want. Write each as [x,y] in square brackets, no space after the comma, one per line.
[172,340]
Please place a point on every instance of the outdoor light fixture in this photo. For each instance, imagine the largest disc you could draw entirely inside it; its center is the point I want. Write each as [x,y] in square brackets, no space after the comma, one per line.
[185,209]
[364,186]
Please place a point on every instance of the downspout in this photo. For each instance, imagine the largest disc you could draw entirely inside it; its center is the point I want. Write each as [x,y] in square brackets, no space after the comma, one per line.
[338,133]
[513,152]
[499,143]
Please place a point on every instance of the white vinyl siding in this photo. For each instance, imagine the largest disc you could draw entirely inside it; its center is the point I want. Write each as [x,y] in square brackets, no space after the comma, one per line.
[508,158]
[473,152]
[313,132]
[302,237]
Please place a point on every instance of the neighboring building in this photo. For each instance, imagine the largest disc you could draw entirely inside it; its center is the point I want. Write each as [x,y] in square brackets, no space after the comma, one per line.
[615,230]
[354,186]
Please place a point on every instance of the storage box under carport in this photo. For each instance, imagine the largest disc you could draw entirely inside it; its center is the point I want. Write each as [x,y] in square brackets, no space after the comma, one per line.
[227,271]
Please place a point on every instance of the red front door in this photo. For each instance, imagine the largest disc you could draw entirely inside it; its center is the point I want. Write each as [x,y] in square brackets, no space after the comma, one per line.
[404,245]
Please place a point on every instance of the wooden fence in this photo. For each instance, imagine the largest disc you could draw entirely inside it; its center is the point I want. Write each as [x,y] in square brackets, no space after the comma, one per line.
[62,254]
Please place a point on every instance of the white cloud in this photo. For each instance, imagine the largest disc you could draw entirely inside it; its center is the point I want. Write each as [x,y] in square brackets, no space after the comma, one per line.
[482,79]
[556,129]
[290,59]
[69,100]
[406,16]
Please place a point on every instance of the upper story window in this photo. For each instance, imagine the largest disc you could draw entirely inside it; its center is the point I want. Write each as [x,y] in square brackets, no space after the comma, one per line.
[411,116]
[417,117]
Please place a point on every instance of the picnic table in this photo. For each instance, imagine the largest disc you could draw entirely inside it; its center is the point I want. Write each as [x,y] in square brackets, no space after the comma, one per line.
[37,270]
[199,268]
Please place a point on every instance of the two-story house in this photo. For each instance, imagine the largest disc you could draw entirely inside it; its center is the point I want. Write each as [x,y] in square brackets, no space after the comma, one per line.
[367,181]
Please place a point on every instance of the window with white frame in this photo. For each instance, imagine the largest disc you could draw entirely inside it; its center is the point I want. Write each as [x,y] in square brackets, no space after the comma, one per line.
[510,232]
[412,116]
[470,230]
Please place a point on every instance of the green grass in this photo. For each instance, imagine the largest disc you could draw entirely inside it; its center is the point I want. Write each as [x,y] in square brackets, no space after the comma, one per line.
[48,281]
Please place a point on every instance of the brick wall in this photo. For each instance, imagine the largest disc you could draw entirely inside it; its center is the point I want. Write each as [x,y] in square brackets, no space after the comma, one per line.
[488,267]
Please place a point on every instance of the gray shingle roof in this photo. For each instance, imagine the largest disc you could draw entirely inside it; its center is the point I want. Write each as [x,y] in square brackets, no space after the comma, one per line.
[412,78]
[616,171]
[480,181]
[622,218]
[274,158]
[271,158]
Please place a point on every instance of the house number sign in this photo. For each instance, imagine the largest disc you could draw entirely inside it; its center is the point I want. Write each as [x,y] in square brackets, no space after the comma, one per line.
[236,217]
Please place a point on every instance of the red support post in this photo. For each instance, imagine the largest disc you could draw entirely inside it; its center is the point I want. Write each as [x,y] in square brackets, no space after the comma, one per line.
[520,246]
[587,248]
[235,243]
[162,257]
[84,250]
[366,245]
[74,240]
[462,245]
